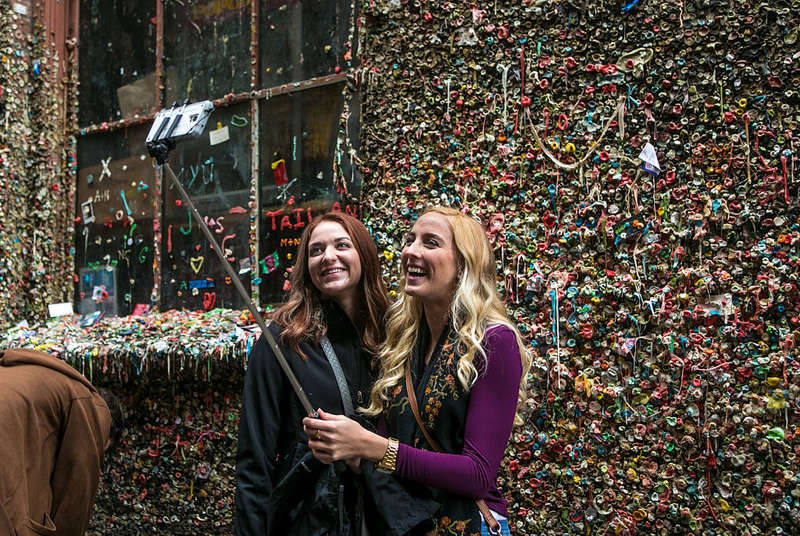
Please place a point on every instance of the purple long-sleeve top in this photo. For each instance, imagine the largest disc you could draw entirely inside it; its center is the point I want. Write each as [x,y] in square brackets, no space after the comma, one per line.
[490,419]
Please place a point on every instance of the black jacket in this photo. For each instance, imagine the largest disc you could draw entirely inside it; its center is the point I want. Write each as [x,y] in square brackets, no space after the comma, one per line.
[281,488]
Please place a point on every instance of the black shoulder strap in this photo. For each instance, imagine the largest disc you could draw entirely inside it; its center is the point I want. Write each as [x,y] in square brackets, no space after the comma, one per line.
[338,373]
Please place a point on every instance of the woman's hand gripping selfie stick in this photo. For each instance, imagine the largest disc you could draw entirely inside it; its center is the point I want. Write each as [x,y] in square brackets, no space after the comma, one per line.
[187,122]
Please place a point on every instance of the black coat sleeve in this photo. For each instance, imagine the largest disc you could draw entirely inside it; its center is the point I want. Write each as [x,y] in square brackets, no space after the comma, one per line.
[260,425]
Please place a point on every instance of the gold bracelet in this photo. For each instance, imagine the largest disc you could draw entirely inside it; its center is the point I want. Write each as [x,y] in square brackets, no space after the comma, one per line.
[389,461]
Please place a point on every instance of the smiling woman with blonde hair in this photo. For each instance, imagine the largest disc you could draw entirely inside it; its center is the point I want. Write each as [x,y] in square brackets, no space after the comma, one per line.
[452,376]
[337,298]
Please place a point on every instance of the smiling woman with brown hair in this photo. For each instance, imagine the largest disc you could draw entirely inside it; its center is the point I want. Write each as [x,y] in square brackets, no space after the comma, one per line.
[336,295]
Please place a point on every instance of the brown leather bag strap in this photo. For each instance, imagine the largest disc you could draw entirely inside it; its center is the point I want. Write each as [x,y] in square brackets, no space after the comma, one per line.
[412,401]
[494,526]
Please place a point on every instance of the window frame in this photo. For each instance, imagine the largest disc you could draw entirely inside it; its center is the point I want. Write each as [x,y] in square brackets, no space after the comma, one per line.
[255,97]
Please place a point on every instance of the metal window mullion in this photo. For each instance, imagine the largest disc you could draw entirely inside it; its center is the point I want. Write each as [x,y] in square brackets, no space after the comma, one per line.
[255,191]
[158,179]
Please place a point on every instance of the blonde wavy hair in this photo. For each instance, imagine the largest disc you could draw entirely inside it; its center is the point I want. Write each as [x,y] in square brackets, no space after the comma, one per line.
[475,307]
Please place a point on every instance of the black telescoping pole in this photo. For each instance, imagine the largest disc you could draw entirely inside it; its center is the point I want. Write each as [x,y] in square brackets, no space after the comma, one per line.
[298,389]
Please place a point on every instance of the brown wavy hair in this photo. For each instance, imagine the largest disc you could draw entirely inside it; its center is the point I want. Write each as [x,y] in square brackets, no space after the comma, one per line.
[301,316]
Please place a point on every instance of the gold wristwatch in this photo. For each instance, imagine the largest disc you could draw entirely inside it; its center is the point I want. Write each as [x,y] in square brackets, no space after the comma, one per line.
[389,460]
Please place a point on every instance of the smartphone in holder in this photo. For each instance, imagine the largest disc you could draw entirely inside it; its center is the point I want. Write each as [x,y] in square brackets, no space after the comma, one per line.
[175,124]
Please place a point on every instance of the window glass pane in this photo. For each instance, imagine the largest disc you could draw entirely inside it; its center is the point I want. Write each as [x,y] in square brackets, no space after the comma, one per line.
[207,49]
[117,60]
[215,171]
[300,40]
[298,134]
[114,233]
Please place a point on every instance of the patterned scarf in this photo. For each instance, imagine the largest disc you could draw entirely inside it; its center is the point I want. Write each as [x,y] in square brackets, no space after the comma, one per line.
[442,404]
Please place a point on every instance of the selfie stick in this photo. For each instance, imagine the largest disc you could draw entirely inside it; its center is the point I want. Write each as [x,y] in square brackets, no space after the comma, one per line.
[159,146]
